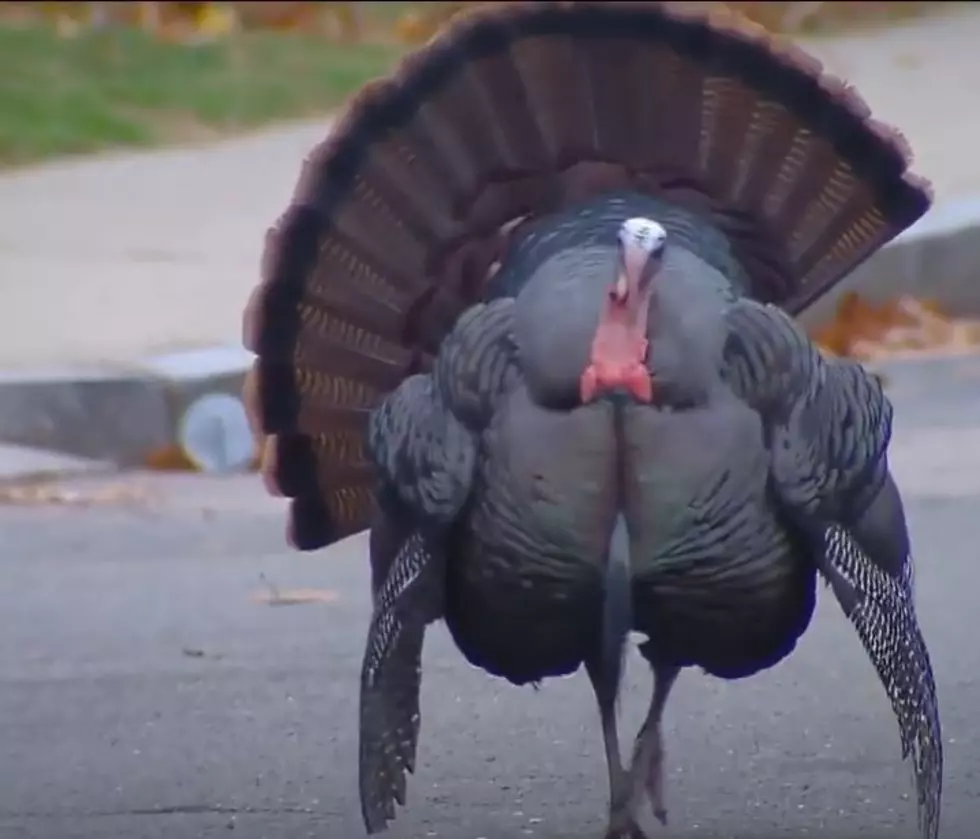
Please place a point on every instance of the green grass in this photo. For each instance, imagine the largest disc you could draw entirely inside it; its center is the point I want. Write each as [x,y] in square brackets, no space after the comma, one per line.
[65,96]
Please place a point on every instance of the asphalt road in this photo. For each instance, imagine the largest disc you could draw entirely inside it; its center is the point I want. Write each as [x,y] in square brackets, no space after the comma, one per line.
[147,690]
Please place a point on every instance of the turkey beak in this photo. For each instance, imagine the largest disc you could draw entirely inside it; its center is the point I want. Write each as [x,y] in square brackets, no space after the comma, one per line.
[619,347]
[638,268]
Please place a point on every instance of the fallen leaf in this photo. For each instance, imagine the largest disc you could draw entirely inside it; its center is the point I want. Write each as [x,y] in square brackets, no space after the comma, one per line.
[214,20]
[35,493]
[295,597]
[194,652]
[903,327]
[170,459]
[174,459]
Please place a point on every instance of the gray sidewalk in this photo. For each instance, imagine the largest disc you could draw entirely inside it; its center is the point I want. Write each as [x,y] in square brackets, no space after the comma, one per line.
[111,259]
[107,264]
[123,283]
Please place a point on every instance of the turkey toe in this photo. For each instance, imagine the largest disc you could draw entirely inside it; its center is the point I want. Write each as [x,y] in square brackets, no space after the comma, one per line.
[625,827]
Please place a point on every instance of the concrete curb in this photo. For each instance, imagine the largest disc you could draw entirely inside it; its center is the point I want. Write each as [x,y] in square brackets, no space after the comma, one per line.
[187,399]
[939,258]
[192,399]
[20,463]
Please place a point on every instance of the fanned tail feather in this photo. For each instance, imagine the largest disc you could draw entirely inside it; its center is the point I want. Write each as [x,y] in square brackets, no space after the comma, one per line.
[882,610]
[516,111]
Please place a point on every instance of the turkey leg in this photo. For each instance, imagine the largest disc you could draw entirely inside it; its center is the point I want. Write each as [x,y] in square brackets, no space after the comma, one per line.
[622,823]
[647,771]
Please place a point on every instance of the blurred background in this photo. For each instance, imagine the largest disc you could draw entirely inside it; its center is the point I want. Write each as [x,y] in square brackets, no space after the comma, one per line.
[80,77]
[145,148]
[142,73]
[153,682]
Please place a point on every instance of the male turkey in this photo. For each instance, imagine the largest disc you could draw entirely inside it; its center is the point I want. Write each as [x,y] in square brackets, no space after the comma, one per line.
[528,318]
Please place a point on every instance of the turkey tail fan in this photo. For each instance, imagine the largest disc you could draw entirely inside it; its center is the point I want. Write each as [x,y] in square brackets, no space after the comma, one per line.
[515,111]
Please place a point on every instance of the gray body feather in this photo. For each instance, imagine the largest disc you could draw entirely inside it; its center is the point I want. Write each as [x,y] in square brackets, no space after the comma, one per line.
[538,480]
[423,450]
[759,465]
[829,428]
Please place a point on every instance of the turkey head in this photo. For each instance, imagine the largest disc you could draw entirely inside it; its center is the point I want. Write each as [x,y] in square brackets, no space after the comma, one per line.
[619,348]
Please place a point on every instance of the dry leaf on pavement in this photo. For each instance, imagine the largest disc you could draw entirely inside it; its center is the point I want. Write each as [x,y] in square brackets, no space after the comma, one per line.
[274,596]
[49,492]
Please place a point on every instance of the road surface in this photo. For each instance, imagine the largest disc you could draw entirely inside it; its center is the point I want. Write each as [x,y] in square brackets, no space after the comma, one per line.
[149,690]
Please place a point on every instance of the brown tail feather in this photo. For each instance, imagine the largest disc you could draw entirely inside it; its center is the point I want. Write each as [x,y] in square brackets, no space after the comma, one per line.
[513,112]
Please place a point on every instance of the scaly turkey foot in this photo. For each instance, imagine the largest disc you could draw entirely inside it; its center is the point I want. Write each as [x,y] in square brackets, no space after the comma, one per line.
[622,800]
[628,830]
[648,770]
[622,818]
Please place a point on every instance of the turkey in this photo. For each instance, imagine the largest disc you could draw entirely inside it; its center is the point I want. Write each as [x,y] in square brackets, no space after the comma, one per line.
[530,319]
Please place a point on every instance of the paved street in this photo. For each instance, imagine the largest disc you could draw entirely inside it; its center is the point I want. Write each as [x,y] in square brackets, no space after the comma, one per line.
[145,692]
